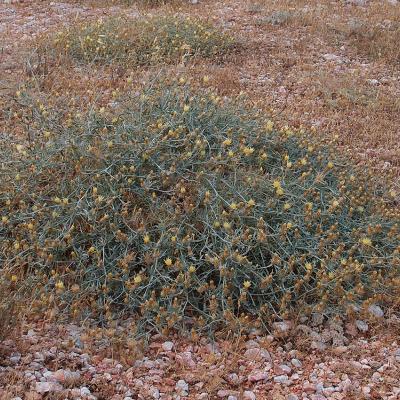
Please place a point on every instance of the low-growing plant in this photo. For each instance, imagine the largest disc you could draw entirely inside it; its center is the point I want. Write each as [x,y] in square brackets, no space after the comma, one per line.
[191,211]
[378,42]
[137,41]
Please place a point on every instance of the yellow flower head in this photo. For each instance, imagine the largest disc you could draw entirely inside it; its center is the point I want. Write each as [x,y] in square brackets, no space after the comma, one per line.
[246,284]
[60,285]
[251,203]
[269,126]
[366,241]
[146,239]
[168,262]
[192,269]
[276,184]
[227,225]
[248,151]
[137,279]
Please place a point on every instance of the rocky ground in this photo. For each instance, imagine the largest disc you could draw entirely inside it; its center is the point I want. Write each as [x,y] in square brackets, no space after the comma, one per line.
[317,361]
[304,72]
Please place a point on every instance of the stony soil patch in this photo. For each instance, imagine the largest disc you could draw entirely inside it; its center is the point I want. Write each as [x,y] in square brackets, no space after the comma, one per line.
[57,361]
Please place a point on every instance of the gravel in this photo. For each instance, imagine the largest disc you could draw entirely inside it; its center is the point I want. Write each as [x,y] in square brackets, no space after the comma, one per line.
[43,361]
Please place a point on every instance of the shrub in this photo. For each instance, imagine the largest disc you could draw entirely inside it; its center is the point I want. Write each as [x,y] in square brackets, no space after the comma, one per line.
[190,211]
[138,41]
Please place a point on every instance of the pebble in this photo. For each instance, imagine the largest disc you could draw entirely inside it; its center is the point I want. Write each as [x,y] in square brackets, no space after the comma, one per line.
[362,326]
[257,376]
[182,387]
[376,311]
[282,327]
[283,379]
[167,346]
[296,363]
[48,387]
[85,391]
[249,395]
[63,376]
[283,370]
[256,354]
[222,393]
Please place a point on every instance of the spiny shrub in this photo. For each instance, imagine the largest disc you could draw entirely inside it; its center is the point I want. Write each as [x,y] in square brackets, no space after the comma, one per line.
[190,211]
[138,41]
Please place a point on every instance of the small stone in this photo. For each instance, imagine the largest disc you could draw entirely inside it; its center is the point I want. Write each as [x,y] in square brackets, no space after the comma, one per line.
[202,396]
[362,326]
[283,369]
[68,376]
[376,311]
[308,387]
[256,354]
[249,395]
[226,393]
[15,358]
[332,57]
[296,363]
[257,376]
[154,393]
[75,393]
[185,358]
[283,379]
[85,391]
[282,328]
[167,346]
[230,397]
[376,377]
[182,388]
[366,390]
[48,387]
[233,379]
[292,396]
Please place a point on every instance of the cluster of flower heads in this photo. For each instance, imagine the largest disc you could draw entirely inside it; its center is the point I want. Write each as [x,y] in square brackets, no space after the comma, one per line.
[139,41]
[189,211]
